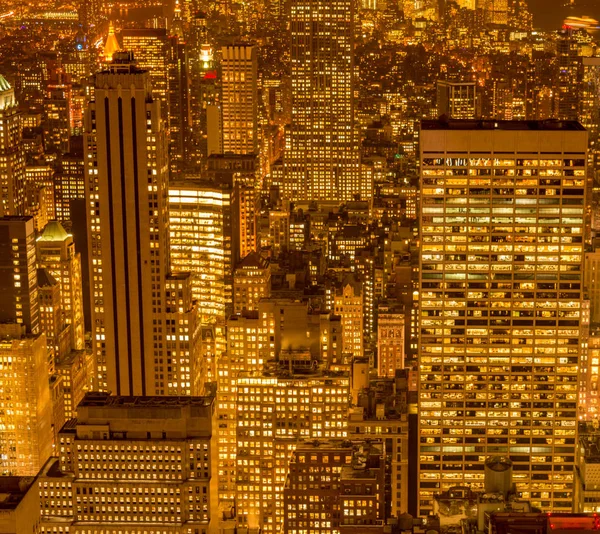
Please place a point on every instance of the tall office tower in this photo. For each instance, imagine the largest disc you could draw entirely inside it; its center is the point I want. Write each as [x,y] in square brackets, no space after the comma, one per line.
[275,410]
[128,236]
[12,156]
[69,185]
[251,282]
[57,115]
[501,304]
[18,273]
[322,156]
[201,221]
[570,74]
[390,341]
[457,100]
[156,448]
[240,99]
[245,338]
[589,112]
[590,401]
[242,171]
[349,305]
[52,318]
[186,371]
[25,404]
[39,194]
[77,370]
[179,103]
[253,339]
[165,59]
[149,47]
[591,282]
[56,253]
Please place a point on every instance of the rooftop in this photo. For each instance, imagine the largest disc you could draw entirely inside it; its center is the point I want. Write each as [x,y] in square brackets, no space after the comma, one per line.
[253,261]
[473,124]
[103,399]
[12,491]
[54,231]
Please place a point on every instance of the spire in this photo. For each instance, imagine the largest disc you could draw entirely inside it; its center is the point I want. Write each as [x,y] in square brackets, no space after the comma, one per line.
[112,44]
[177,25]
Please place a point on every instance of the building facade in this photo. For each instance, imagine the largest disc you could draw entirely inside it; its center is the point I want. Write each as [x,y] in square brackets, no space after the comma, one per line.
[322,156]
[123,453]
[128,234]
[500,304]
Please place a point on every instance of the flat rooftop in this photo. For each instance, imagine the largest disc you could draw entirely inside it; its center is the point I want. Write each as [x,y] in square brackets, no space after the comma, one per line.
[102,399]
[12,491]
[474,124]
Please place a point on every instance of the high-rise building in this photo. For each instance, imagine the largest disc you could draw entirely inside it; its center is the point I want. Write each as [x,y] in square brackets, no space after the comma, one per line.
[128,235]
[275,411]
[149,47]
[39,194]
[56,253]
[245,338]
[349,306]
[570,74]
[52,318]
[240,99]
[457,100]
[390,341]
[165,58]
[25,404]
[156,448]
[322,156]
[18,273]
[57,116]
[589,113]
[69,185]
[76,369]
[12,156]
[591,283]
[500,304]
[203,242]
[179,103]
[254,338]
[242,171]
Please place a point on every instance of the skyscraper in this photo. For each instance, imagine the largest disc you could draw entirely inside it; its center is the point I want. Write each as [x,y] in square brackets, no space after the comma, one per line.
[56,253]
[12,156]
[457,99]
[127,170]
[202,241]
[322,156]
[18,274]
[501,304]
[26,437]
[240,99]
